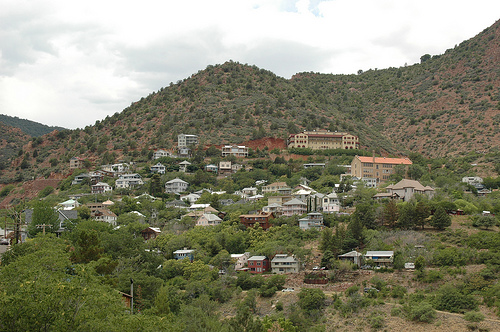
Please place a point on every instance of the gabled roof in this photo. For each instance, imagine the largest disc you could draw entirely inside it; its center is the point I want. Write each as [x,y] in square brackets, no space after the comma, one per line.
[176,180]
[283,259]
[257,258]
[211,217]
[294,201]
[353,253]
[405,183]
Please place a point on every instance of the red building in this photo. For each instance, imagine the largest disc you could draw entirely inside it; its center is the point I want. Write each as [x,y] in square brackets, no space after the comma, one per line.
[258,264]
[263,218]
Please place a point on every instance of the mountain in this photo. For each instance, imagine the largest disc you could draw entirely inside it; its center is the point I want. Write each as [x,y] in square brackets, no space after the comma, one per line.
[29,127]
[448,105]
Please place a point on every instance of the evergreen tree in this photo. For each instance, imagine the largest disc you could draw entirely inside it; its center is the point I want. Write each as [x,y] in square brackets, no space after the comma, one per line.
[440,219]
[422,212]
[406,218]
[390,214]
[155,188]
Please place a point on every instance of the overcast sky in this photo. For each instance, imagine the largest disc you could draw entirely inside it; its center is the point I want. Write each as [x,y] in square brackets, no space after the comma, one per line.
[70,63]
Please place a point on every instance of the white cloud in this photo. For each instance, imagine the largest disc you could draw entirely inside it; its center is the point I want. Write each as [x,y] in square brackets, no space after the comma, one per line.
[71,63]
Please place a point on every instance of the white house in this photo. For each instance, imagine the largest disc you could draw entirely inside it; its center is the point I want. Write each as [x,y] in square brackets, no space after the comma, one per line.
[246,192]
[101,188]
[208,219]
[129,181]
[70,204]
[158,168]
[191,198]
[176,186]
[161,153]
[105,215]
[331,203]
[282,263]
[314,220]
[240,260]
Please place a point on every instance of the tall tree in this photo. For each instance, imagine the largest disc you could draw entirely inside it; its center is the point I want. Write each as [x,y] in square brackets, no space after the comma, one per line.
[390,213]
[155,188]
[43,214]
[440,219]
[406,218]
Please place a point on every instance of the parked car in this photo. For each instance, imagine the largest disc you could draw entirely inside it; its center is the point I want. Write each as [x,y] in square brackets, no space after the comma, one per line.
[370,289]
[4,241]
[288,289]
[316,268]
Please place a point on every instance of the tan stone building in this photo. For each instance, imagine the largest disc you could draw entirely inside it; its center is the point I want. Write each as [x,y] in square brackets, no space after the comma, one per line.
[323,139]
[378,168]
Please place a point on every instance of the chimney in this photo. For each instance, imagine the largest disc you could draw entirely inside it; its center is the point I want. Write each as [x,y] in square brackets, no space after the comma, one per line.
[373,156]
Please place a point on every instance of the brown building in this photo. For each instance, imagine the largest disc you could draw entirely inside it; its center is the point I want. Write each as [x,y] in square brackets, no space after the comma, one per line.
[378,168]
[263,218]
[323,139]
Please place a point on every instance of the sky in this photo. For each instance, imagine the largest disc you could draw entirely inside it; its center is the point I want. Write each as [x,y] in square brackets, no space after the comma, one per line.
[70,63]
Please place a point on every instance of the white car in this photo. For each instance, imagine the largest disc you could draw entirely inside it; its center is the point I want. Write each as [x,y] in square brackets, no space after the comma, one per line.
[4,241]
[288,289]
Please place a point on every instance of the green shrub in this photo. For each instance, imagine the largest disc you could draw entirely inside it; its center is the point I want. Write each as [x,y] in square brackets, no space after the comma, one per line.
[377,322]
[452,300]
[45,192]
[422,312]
[279,306]
[6,190]
[398,291]
[351,290]
[473,316]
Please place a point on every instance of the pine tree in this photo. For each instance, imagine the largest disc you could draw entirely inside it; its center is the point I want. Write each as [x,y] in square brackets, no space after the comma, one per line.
[440,219]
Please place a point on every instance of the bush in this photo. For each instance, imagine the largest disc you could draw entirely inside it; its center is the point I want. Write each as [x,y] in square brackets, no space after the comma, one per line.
[377,322]
[311,299]
[279,306]
[422,312]
[452,300]
[473,316]
[351,290]
[398,291]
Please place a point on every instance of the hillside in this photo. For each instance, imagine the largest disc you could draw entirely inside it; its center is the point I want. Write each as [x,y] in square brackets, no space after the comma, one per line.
[28,127]
[446,106]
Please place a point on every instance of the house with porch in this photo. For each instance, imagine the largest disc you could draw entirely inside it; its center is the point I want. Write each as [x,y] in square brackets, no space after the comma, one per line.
[314,220]
[161,153]
[331,203]
[184,253]
[176,186]
[101,188]
[263,219]
[380,258]
[294,206]
[158,168]
[283,263]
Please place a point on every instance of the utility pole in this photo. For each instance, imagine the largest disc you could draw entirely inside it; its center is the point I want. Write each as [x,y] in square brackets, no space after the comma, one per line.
[43,227]
[132,296]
